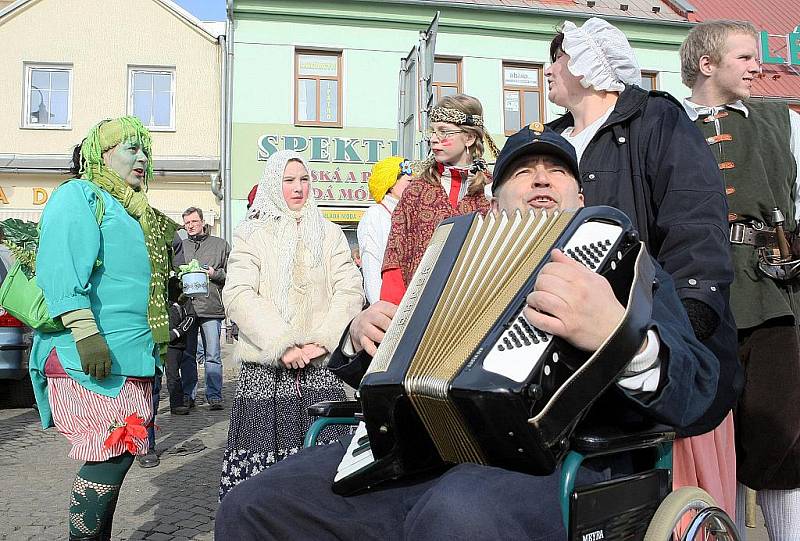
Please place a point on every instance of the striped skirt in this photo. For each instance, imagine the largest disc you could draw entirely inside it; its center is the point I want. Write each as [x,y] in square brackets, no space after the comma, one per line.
[86,418]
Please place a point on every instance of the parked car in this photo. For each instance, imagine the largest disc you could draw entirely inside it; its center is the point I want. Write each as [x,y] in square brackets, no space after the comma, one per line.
[16,390]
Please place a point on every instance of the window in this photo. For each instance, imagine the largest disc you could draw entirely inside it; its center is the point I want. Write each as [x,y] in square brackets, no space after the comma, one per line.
[649,79]
[523,99]
[151,97]
[48,96]
[318,83]
[446,78]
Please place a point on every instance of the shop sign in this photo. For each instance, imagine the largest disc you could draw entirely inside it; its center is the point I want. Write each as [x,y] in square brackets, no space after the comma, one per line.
[318,65]
[789,43]
[521,77]
[340,166]
[39,196]
[342,215]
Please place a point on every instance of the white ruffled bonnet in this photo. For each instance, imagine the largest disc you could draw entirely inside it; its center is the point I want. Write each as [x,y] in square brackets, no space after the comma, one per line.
[600,53]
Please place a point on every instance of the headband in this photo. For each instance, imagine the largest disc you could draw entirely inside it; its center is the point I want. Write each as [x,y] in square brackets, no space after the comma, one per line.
[454,116]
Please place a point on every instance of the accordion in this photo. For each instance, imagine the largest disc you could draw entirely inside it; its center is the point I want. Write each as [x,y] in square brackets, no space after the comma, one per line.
[461,376]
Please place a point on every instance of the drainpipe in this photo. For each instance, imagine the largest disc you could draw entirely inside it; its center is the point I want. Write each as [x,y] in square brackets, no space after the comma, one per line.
[218,178]
[227,121]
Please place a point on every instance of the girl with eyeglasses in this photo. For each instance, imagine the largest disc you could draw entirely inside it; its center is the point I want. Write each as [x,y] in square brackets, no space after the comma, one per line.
[450,183]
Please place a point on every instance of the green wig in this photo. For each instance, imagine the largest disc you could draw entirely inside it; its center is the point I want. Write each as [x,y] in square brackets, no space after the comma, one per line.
[109,133]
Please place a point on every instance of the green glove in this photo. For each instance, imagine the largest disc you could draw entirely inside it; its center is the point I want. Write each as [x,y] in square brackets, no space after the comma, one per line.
[95,357]
[92,347]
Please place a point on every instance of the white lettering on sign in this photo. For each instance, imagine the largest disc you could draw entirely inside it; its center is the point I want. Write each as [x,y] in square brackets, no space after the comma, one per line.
[521,77]
[593,536]
[318,65]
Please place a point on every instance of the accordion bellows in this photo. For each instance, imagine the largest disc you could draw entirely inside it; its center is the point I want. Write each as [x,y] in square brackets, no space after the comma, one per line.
[462,377]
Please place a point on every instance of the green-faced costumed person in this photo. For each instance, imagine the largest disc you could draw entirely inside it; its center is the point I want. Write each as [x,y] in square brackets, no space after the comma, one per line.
[102,263]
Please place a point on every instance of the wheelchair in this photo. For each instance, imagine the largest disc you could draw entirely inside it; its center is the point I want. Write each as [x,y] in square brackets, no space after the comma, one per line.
[637,506]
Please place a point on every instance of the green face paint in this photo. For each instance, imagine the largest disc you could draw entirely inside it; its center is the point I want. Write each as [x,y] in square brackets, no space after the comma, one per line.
[128,160]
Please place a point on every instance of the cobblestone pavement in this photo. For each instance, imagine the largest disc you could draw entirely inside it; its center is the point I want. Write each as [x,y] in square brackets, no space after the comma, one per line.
[175,501]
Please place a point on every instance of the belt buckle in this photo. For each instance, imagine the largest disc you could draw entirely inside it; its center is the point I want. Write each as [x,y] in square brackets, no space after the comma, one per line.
[737,233]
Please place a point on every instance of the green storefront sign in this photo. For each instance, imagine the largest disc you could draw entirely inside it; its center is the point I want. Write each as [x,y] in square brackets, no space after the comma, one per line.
[792,47]
[334,178]
[339,163]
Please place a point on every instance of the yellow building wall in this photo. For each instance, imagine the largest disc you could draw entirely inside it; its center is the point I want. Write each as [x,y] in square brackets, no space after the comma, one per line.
[101,39]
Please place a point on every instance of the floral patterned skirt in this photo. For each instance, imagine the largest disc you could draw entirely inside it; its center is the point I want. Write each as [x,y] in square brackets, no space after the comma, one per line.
[269,417]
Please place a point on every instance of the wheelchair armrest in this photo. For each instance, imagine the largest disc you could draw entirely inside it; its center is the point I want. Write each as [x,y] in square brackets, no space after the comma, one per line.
[335,408]
[612,439]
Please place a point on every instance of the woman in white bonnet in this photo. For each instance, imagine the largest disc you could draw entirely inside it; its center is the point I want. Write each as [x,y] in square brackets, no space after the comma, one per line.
[639,152]
[292,288]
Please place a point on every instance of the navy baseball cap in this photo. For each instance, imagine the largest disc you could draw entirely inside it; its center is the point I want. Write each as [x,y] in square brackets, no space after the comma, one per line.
[535,138]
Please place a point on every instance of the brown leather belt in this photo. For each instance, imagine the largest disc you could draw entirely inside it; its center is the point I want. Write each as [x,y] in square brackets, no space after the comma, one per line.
[752,234]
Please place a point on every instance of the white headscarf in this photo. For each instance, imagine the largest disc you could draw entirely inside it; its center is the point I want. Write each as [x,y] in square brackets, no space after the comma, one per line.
[293,230]
[600,53]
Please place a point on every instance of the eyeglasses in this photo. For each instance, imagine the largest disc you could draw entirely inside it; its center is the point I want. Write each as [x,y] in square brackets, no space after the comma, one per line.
[441,135]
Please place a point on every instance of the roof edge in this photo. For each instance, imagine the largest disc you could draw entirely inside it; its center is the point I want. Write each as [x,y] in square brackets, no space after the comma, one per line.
[531,10]
[169,4]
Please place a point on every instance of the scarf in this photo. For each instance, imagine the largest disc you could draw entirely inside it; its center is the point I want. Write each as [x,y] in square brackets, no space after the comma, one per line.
[158,229]
[299,236]
[455,182]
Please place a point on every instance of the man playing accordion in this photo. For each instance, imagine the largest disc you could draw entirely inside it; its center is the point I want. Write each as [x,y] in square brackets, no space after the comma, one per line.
[672,379]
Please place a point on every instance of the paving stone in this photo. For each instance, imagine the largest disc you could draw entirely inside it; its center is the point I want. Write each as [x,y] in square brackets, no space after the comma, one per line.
[189,523]
[187,532]
[165,528]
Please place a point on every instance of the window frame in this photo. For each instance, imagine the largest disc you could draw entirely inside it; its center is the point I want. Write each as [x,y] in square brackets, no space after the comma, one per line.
[653,76]
[521,89]
[317,78]
[132,70]
[28,68]
[459,86]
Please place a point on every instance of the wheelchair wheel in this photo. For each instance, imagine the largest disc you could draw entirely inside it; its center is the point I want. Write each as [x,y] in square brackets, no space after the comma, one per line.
[690,514]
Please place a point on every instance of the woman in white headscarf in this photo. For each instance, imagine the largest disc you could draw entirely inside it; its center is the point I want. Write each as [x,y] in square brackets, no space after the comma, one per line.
[291,288]
[639,152]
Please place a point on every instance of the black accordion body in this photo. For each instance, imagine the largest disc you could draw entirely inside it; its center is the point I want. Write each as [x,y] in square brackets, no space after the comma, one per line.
[462,377]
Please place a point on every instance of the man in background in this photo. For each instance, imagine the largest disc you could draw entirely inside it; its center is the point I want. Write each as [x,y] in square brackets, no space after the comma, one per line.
[212,254]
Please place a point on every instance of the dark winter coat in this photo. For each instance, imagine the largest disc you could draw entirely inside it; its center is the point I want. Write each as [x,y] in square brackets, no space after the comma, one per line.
[181,320]
[651,162]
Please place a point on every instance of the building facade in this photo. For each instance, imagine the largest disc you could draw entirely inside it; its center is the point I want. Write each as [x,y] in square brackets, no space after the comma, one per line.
[104,60]
[321,77]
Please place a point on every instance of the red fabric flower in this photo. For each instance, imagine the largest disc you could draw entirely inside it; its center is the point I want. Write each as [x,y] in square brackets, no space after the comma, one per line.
[133,428]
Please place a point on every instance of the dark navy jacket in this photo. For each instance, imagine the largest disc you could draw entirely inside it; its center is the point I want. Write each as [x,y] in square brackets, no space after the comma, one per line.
[652,163]
[689,371]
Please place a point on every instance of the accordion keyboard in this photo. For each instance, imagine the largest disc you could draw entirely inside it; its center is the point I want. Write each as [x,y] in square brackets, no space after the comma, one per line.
[358,455]
[522,346]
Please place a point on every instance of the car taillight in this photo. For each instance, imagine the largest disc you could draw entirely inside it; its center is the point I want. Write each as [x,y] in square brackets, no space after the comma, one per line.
[7,320]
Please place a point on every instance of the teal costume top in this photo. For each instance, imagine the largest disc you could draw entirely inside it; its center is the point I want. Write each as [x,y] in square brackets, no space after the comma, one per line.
[105,268]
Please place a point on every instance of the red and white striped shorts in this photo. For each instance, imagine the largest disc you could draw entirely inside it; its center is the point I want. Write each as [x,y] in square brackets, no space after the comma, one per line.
[85,417]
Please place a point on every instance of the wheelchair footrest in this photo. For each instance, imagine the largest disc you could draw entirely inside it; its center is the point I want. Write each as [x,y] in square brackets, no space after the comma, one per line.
[620,509]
